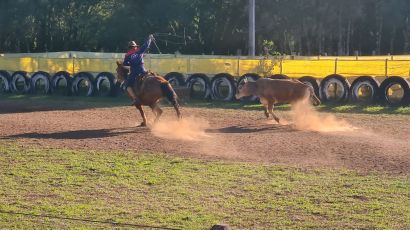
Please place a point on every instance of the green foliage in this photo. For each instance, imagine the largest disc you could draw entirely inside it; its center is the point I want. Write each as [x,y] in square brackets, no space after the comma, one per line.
[303,27]
[269,48]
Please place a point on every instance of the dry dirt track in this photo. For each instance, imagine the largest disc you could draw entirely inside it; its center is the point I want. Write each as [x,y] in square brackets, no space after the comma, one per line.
[381,143]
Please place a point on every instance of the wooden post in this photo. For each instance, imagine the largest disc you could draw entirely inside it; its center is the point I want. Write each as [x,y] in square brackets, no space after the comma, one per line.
[281,66]
[336,65]
[385,68]
[251,28]
[238,67]
[73,65]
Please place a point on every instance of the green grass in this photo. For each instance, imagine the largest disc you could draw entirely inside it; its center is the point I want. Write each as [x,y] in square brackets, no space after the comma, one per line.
[84,102]
[159,190]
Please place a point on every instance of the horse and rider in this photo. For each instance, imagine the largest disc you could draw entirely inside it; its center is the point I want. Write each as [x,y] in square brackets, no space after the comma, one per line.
[144,87]
[135,59]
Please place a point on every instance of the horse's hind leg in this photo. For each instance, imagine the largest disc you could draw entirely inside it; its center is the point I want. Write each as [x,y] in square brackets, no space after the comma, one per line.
[176,107]
[170,94]
[157,111]
[144,118]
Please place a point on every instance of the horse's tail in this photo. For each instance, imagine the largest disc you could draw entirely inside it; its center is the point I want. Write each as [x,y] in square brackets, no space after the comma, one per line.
[169,92]
[315,100]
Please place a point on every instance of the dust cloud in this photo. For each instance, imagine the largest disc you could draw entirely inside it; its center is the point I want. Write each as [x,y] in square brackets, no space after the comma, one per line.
[188,129]
[193,131]
[306,118]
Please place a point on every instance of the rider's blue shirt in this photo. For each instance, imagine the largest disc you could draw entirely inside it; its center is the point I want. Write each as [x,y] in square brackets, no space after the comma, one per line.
[136,60]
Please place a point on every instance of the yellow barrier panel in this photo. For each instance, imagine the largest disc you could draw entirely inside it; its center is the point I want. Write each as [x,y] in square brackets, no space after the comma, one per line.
[374,58]
[350,58]
[27,64]
[53,65]
[360,68]
[398,68]
[94,65]
[164,66]
[299,68]
[213,66]
[264,68]
[401,57]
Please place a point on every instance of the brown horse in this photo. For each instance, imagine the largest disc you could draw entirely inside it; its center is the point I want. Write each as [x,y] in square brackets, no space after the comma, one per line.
[150,91]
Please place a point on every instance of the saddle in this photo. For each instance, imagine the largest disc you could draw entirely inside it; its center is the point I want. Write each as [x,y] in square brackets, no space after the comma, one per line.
[140,81]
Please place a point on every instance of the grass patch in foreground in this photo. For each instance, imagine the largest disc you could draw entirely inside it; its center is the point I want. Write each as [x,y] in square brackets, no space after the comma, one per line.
[159,190]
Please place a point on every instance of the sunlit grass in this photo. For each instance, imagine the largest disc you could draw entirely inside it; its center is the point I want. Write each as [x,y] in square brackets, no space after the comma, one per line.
[159,190]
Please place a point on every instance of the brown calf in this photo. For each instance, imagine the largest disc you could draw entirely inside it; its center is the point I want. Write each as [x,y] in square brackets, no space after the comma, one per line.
[272,91]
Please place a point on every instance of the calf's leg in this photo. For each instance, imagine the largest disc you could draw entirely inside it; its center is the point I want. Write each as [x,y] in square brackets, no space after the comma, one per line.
[270,109]
[265,106]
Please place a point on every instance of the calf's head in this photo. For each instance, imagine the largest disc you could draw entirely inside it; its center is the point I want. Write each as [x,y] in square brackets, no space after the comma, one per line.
[244,89]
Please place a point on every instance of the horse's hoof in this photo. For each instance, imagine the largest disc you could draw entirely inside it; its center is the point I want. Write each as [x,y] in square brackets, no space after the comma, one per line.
[143,124]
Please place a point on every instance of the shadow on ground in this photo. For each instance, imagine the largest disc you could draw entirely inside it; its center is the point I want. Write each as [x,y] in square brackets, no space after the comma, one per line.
[80,134]
[254,129]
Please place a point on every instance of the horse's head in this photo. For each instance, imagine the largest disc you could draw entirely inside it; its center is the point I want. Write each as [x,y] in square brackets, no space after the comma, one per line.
[122,71]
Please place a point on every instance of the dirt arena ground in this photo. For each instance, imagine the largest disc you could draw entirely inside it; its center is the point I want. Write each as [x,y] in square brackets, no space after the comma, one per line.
[378,142]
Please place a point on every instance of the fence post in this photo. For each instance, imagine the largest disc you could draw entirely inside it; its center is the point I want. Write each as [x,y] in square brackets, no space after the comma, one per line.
[37,64]
[238,66]
[188,65]
[385,67]
[73,65]
[281,65]
[336,65]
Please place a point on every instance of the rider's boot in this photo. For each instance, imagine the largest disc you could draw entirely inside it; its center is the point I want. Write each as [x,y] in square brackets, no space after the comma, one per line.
[131,93]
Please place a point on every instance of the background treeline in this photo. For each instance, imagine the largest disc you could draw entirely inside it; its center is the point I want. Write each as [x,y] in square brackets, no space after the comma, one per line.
[305,27]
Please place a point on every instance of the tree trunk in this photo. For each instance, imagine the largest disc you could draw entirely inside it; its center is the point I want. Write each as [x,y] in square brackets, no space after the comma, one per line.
[392,38]
[349,32]
[379,36]
[406,36]
[320,39]
[340,34]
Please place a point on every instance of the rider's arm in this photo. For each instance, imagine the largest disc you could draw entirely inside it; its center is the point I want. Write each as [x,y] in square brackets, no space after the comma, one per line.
[145,46]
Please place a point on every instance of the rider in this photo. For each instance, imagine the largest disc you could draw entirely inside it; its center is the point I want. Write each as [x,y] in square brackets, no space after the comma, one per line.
[135,59]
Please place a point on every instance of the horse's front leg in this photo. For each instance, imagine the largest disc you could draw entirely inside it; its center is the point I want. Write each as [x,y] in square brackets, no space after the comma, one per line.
[144,118]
